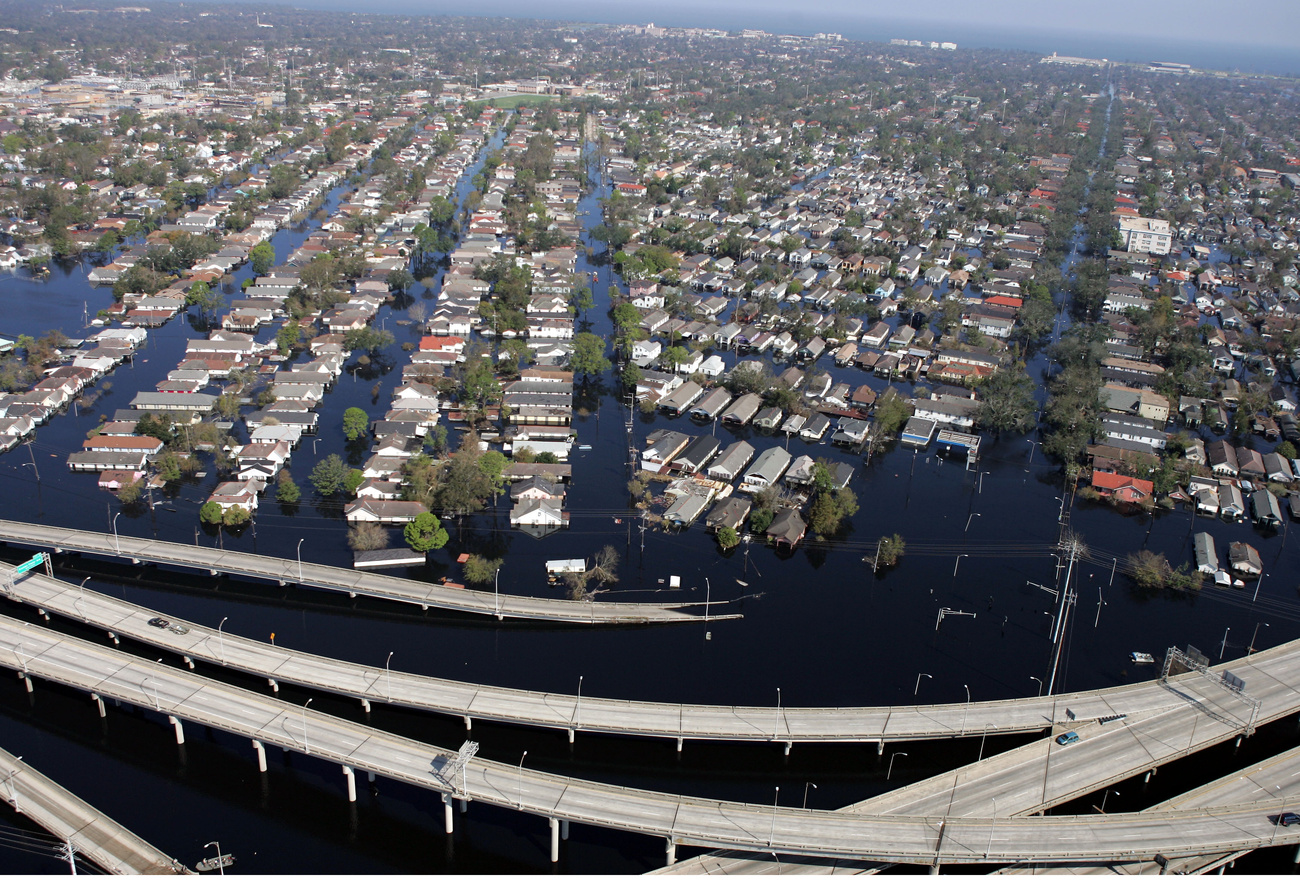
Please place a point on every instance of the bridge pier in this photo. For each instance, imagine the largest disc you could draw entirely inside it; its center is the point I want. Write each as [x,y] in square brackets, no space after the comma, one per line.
[679,746]
[934,869]
[788,746]
[571,731]
[261,755]
[44,614]
[370,778]
[100,702]
[27,681]
[671,851]
[275,687]
[180,729]
[448,816]
[880,747]
[365,705]
[469,723]
[564,829]
[112,636]
[189,662]
[1147,778]
[352,594]
[352,783]
[555,838]
[1297,854]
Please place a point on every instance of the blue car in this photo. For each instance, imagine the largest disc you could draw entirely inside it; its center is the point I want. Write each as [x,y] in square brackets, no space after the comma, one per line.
[1067,738]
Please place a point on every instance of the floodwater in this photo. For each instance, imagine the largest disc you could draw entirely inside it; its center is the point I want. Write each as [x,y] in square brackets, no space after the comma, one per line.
[818,626]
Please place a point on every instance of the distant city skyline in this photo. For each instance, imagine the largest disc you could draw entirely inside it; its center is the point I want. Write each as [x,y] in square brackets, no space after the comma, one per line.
[1273,23]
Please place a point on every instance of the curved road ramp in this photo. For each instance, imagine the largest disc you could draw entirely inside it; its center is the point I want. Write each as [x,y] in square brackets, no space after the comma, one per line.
[90,833]
[351,581]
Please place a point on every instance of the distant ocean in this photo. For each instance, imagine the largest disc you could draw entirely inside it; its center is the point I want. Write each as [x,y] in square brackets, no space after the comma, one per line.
[1146,47]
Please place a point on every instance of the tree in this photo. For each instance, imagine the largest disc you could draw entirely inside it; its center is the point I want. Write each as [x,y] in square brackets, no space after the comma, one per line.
[131,492]
[367,536]
[465,487]
[727,537]
[1007,401]
[210,513]
[263,257]
[630,376]
[583,300]
[286,491]
[588,358]
[493,464]
[235,516]
[329,475]
[425,533]
[480,569]
[888,551]
[355,423]
[353,480]
[288,337]
[204,297]
[400,280]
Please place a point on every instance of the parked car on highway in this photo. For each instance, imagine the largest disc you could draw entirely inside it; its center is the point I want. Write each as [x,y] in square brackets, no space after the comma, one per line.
[1067,738]
[1286,819]
[179,629]
[158,622]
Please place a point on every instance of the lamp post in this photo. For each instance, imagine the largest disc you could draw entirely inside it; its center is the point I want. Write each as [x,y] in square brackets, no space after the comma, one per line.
[13,789]
[771,834]
[776,728]
[306,749]
[221,866]
[496,593]
[966,529]
[577,708]
[958,562]
[1257,583]
[1250,650]
[1224,644]
[388,675]
[983,736]
[917,688]
[889,772]
[1106,795]
[992,826]
[806,786]
[221,640]
[116,549]
[157,706]
[1040,684]
[966,710]
[300,540]
[519,789]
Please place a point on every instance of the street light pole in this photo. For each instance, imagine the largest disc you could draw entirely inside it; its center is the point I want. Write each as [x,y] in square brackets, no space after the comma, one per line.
[116,548]
[958,562]
[577,708]
[1262,576]
[992,825]
[966,529]
[1040,685]
[776,729]
[13,789]
[1104,797]
[965,710]
[221,641]
[388,675]
[772,832]
[917,688]
[889,772]
[496,593]
[519,790]
[806,786]
[300,540]
[221,866]
[1250,650]
[306,749]
[1224,644]
[983,736]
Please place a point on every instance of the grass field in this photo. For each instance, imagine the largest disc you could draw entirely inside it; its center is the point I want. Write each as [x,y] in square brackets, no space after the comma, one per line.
[516,101]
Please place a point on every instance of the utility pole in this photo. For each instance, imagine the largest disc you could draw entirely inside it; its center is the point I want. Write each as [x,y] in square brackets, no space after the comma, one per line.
[1058,636]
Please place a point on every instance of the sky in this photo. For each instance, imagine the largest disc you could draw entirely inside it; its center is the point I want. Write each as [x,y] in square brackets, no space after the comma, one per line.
[1263,22]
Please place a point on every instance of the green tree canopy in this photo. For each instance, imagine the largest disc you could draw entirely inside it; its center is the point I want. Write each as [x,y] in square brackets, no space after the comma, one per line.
[263,257]
[329,475]
[355,423]
[425,533]
[210,513]
[588,357]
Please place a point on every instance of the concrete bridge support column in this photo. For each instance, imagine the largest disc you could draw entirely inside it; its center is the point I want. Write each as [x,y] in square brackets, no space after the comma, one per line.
[448,816]
[934,869]
[275,687]
[880,747]
[352,783]
[464,804]
[788,746]
[100,702]
[679,746]
[112,636]
[1297,854]
[564,829]
[370,777]
[571,732]
[27,681]
[555,838]
[671,851]
[261,755]
[189,662]
[180,729]
[365,705]
[469,723]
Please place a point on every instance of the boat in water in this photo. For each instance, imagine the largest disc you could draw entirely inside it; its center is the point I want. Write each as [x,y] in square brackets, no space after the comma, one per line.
[216,863]
[1142,658]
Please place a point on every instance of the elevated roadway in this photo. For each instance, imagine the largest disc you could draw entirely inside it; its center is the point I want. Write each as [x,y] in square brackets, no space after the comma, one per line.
[572,713]
[91,833]
[350,581]
[931,838]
